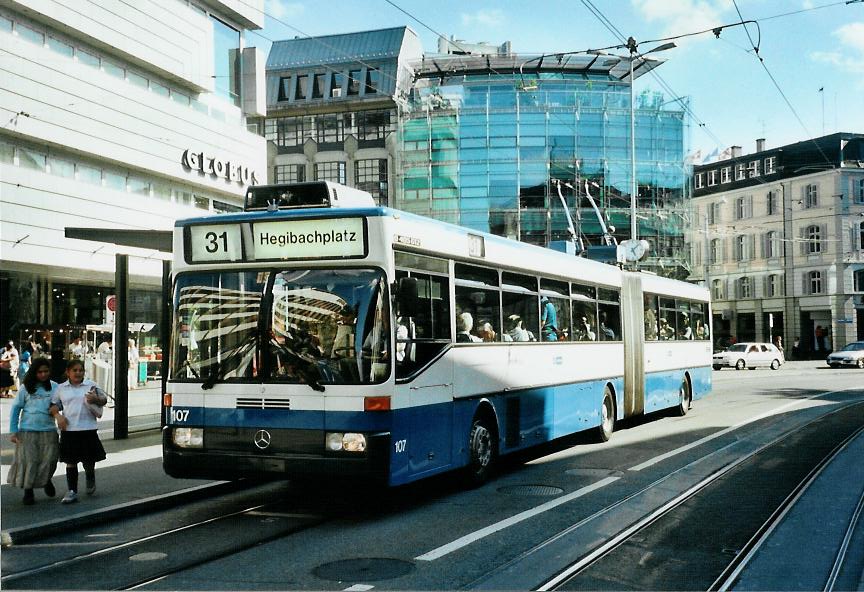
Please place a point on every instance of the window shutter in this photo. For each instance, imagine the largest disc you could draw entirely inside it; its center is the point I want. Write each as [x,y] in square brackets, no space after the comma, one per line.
[805,284]
[802,234]
[749,208]
[823,236]
[751,246]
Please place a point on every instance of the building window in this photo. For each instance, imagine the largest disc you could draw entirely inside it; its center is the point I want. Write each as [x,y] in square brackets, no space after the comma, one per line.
[712,178]
[717,289]
[813,237]
[716,251]
[753,169]
[726,175]
[773,203]
[699,180]
[861,236]
[371,176]
[713,211]
[374,125]
[353,82]
[739,172]
[811,196]
[289,173]
[373,81]
[337,79]
[744,207]
[226,60]
[741,248]
[859,194]
[770,165]
[813,282]
[301,88]
[330,128]
[745,287]
[858,281]
[330,171]
[774,285]
[771,245]
[318,81]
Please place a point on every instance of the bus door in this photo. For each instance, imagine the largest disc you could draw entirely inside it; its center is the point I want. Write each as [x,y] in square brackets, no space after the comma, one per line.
[424,372]
[633,319]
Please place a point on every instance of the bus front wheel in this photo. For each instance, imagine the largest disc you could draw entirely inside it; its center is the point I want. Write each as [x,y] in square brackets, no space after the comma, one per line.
[482,451]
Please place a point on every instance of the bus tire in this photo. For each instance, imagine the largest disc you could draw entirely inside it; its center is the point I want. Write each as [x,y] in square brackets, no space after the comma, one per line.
[482,451]
[607,415]
[685,398]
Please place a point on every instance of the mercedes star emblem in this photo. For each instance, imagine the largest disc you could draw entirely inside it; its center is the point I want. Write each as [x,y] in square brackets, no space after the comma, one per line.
[262,439]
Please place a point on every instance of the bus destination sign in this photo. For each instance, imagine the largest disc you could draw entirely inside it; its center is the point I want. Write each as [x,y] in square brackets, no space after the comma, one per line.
[309,239]
[279,240]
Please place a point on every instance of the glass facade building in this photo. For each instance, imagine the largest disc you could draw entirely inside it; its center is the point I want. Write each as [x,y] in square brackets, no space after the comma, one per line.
[484,146]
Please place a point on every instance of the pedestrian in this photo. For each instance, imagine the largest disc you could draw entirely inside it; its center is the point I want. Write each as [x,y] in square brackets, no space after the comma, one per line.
[34,433]
[81,402]
[8,370]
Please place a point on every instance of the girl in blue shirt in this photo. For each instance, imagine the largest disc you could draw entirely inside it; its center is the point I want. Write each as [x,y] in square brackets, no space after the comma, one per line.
[34,433]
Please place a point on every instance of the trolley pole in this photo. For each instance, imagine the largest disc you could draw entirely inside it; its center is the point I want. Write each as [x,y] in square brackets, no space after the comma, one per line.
[121,349]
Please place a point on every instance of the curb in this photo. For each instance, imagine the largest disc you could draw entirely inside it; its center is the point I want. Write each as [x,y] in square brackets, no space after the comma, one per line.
[25,534]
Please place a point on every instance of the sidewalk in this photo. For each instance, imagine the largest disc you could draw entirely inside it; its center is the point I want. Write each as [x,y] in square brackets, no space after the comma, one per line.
[129,481]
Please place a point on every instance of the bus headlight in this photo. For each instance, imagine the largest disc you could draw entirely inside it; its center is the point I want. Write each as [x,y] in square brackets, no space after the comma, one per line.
[189,437]
[347,442]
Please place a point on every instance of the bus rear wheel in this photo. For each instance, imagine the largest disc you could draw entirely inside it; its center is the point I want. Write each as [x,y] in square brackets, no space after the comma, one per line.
[482,452]
[607,416]
[685,398]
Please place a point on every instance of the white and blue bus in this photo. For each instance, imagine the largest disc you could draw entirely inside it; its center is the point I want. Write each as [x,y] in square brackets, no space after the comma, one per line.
[316,334]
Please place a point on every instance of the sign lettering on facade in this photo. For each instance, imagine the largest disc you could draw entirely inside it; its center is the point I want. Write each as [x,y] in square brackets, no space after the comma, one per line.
[219,167]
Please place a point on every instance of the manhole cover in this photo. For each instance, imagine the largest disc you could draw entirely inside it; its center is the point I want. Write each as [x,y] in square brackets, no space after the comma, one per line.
[539,490]
[594,473]
[367,569]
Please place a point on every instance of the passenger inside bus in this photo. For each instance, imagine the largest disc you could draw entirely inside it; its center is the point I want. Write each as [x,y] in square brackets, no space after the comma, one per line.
[486,332]
[515,330]
[548,320]
[583,330]
[464,325]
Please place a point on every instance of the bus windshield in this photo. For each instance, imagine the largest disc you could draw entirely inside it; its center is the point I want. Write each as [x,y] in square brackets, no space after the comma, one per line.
[305,326]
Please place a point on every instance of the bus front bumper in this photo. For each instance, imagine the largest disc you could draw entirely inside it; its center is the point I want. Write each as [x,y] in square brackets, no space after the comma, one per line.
[232,454]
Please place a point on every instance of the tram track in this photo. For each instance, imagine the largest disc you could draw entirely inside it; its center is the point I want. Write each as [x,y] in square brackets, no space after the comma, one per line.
[587,550]
[591,570]
[144,559]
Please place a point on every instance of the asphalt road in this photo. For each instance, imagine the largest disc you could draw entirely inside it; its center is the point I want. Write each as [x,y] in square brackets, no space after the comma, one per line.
[760,431]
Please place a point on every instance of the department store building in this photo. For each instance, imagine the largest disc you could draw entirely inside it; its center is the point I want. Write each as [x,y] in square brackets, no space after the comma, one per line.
[126,120]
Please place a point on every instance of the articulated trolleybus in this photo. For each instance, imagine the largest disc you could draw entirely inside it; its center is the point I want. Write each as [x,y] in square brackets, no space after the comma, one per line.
[317,335]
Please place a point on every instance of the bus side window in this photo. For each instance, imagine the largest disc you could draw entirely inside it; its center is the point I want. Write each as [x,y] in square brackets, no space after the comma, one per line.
[421,338]
[609,315]
[584,302]
[477,295]
[650,316]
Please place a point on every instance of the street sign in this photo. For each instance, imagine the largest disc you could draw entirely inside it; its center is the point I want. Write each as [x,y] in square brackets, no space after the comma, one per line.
[110,308]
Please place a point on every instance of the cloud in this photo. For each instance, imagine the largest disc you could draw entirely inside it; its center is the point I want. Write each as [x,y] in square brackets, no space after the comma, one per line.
[849,57]
[684,16]
[492,17]
[281,10]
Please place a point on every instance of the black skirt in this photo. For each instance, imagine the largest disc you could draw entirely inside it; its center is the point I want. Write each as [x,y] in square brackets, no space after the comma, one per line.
[83,446]
[6,379]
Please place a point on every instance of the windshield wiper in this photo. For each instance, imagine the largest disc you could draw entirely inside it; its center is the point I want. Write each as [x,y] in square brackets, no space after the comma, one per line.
[218,373]
[308,370]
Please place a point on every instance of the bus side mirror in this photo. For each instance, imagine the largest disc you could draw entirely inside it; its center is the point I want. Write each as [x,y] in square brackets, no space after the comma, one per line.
[407,301]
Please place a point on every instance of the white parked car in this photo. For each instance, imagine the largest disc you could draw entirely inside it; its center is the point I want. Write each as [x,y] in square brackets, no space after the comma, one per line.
[749,355]
[851,355]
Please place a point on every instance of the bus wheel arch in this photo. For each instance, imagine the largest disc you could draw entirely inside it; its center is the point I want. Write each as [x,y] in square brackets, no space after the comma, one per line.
[685,396]
[482,444]
[608,413]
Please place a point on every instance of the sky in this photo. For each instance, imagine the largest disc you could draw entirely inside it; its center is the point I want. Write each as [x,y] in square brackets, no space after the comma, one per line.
[734,98]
